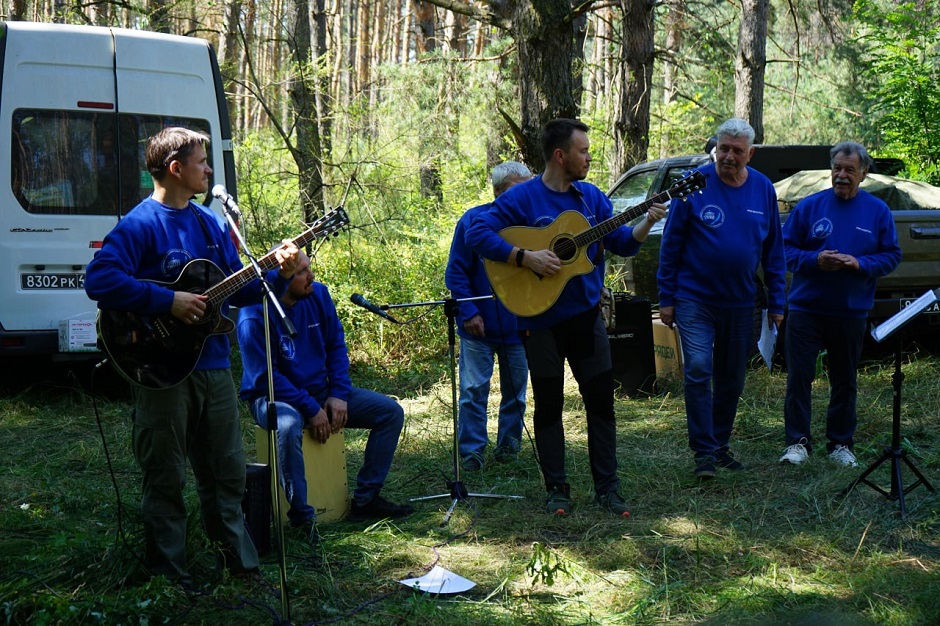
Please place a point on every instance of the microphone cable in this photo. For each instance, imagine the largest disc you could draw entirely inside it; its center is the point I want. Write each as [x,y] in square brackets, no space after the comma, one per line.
[107,457]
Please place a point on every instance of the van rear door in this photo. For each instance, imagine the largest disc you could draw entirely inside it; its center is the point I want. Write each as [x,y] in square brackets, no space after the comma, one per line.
[78,104]
[56,106]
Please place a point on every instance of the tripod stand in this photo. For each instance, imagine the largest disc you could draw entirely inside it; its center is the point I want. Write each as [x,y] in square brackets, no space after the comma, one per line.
[457,491]
[894,453]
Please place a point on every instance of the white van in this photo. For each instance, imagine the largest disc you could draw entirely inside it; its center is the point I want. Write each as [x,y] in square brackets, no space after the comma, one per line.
[77,105]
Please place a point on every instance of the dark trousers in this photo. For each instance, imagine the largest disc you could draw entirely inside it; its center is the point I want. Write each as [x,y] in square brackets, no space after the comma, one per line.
[806,335]
[582,341]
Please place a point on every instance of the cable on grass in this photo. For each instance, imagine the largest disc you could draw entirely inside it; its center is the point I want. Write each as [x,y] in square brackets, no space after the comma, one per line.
[107,456]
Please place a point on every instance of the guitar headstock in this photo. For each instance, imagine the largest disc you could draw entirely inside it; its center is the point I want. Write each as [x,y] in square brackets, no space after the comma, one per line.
[687,185]
[331,223]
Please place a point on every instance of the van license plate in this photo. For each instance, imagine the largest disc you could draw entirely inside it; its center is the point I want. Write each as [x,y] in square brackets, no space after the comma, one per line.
[934,307]
[52,281]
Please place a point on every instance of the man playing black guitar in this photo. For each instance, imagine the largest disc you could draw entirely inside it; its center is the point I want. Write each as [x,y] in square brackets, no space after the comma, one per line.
[197,418]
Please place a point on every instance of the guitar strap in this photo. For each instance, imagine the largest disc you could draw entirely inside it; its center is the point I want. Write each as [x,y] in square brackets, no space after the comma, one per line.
[599,257]
[212,243]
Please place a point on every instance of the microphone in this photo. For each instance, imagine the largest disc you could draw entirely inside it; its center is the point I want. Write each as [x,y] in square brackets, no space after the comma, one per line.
[227,200]
[358,298]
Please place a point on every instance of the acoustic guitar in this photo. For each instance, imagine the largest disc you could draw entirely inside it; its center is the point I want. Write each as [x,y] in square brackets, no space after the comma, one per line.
[526,293]
[160,351]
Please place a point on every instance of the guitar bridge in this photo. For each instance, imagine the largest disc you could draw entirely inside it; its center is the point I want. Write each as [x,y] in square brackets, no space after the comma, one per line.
[161,328]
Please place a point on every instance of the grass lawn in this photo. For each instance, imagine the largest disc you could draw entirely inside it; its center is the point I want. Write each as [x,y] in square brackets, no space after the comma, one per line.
[771,545]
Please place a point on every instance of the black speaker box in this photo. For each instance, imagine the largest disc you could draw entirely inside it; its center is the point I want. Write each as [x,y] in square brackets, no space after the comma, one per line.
[631,344]
[256,505]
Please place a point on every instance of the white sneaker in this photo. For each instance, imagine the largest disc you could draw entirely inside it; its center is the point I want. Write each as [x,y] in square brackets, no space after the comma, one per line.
[843,456]
[795,454]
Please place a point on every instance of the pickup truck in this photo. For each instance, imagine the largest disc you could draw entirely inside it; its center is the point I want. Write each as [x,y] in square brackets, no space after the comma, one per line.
[918,232]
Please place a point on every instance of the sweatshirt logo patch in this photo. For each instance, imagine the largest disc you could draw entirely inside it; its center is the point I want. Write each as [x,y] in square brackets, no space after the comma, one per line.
[174,261]
[287,348]
[822,229]
[712,216]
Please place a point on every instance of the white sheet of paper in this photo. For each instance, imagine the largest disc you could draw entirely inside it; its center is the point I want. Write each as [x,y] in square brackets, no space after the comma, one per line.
[439,580]
[767,340]
[906,314]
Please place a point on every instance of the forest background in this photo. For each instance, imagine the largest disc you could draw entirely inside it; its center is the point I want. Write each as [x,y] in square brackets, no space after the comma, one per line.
[398,109]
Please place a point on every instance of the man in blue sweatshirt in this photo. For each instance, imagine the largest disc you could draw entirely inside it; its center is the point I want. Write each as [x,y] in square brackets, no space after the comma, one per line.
[712,246]
[837,242]
[197,418]
[486,330]
[312,389]
[570,329]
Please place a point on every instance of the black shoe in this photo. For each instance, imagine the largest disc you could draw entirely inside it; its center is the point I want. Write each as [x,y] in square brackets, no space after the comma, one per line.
[505,455]
[704,467]
[728,462]
[559,500]
[309,530]
[471,464]
[378,508]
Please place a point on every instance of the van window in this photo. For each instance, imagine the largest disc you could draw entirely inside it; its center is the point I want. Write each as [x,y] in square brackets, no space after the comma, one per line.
[82,163]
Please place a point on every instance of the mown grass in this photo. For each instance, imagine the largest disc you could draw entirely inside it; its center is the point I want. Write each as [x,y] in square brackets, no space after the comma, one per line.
[772,545]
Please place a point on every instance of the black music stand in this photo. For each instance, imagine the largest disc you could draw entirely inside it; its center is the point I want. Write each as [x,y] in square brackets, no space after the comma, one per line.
[457,491]
[894,452]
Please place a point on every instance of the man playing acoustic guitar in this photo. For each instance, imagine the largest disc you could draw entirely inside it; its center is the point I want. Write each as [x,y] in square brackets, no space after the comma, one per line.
[198,417]
[570,327]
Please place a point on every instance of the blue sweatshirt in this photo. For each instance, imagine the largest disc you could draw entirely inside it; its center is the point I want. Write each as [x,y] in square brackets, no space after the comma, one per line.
[312,365]
[533,204]
[714,242]
[154,242]
[466,278]
[862,227]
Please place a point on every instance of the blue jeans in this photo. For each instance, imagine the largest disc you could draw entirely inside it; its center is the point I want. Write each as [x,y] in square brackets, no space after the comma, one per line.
[367,409]
[715,345]
[476,370]
[806,335]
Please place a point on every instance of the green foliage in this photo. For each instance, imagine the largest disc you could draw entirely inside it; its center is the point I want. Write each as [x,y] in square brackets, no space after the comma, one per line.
[439,113]
[268,191]
[903,43]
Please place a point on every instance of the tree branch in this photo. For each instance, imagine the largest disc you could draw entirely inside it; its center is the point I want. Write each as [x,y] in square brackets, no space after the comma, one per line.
[494,12]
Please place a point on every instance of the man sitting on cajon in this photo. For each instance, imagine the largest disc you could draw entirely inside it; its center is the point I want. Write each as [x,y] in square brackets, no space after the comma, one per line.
[312,388]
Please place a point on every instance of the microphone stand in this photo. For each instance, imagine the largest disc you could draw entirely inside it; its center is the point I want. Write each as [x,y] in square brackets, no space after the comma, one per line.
[269,297]
[457,491]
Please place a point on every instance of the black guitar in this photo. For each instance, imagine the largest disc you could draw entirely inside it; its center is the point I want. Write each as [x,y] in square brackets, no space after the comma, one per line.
[160,351]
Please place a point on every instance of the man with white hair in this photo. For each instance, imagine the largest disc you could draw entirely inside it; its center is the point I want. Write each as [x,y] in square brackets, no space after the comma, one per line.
[712,246]
[837,242]
[486,330]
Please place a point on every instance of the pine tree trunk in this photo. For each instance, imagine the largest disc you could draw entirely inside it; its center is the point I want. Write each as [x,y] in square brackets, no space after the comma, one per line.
[750,65]
[551,49]
[631,129]
[303,104]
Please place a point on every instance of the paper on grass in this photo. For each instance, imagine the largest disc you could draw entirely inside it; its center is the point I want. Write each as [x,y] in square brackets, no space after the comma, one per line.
[768,339]
[439,580]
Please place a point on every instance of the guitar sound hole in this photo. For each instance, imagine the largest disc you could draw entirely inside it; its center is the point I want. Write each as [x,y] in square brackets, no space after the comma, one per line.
[564,249]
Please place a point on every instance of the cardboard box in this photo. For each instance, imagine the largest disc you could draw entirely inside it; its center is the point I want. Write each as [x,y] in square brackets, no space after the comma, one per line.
[77,336]
[667,350]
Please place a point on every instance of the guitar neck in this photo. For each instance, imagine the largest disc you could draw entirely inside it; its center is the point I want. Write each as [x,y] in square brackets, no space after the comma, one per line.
[608,226]
[217,294]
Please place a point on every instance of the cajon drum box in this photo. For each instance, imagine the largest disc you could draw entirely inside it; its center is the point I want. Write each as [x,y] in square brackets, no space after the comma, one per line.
[325,467]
